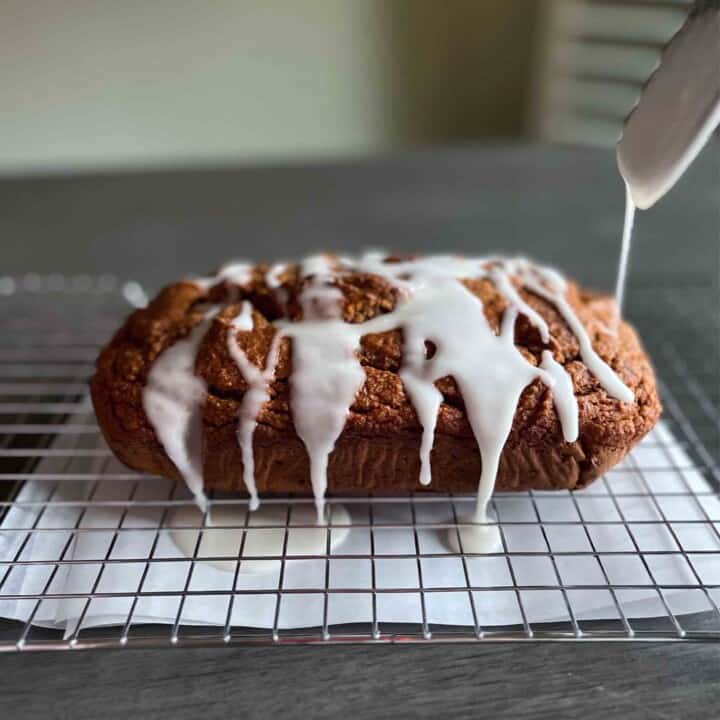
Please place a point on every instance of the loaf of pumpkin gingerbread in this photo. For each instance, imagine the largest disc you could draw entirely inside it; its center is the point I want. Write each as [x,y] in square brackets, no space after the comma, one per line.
[375,374]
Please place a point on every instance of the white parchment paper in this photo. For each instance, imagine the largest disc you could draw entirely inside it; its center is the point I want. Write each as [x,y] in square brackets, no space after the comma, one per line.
[667,471]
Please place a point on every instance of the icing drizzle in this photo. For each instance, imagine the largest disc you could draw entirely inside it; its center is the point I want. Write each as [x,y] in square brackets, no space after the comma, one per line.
[256,395]
[434,309]
[173,398]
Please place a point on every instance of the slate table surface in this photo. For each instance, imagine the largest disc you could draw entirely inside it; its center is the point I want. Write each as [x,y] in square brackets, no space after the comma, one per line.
[561,205]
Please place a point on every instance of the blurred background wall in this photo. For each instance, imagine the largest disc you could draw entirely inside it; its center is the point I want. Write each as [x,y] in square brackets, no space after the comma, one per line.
[111,84]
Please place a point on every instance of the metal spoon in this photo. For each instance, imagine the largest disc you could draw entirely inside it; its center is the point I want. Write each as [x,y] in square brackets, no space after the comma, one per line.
[677,111]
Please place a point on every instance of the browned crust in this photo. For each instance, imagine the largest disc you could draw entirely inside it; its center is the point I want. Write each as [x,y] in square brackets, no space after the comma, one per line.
[379,448]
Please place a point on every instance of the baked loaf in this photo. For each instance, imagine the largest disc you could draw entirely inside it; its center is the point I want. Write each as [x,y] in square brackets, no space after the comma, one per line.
[378,449]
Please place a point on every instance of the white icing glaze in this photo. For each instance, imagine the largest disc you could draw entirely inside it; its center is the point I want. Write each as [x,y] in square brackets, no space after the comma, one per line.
[273,281]
[434,310]
[256,395]
[563,396]
[320,300]
[606,376]
[424,396]
[628,222]
[433,307]
[223,538]
[503,284]
[173,400]
[448,315]
[272,276]
[238,272]
[326,376]
[470,537]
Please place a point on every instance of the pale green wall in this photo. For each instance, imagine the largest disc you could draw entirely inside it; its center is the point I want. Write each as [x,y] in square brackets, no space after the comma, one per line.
[124,82]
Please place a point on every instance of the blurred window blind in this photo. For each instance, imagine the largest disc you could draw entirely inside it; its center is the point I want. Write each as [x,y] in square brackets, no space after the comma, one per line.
[596,56]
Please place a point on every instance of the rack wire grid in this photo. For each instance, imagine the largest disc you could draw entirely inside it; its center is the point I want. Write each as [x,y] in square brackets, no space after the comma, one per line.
[52,327]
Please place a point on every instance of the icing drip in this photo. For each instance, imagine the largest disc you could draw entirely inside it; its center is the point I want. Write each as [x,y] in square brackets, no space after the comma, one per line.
[272,276]
[445,334]
[503,284]
[424,396]
[553,290]
[237,272]
[449,316]
[326,374]
[606,376]
[257,394]
[325,379]
[225,541]
[320,300]
[628,222]
[433,307]
[173,399]
[563,396]
[272,280]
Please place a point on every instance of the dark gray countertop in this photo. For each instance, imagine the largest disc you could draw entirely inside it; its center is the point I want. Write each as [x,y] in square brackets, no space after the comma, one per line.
[559,205]
[564,206]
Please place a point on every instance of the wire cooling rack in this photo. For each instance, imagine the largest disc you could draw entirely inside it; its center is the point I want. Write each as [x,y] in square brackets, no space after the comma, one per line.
[634,557]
